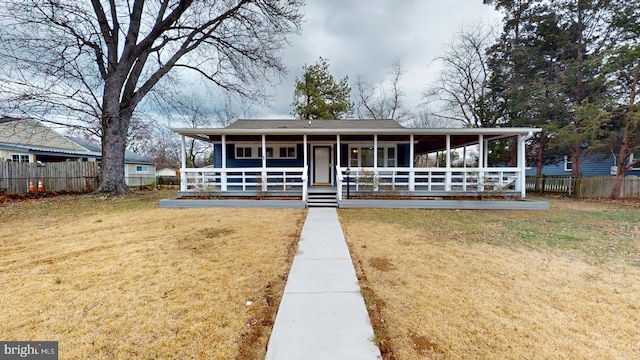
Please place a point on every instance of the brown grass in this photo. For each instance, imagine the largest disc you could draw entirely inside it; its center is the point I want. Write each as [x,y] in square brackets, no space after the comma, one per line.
[121,278]
[562,284]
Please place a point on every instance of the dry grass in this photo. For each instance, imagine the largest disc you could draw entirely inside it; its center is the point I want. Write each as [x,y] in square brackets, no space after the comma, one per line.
[562,284]
[123,279]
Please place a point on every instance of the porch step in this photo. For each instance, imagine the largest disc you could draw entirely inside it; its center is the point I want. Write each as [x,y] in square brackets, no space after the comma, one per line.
[322,198]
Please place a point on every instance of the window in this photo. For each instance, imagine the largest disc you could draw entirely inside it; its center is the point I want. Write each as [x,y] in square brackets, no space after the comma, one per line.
[363,156]
[254,151]
[243,152]
[142,168]
[20,158]
[568,164]
[288,152]
[634,157]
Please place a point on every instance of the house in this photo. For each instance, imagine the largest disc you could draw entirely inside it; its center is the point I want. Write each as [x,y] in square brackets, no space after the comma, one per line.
[328,162]
[591,165]
[138,170]
[168,171]
[28,140]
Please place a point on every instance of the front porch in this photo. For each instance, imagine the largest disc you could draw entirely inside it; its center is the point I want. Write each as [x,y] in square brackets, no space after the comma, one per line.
[285,160]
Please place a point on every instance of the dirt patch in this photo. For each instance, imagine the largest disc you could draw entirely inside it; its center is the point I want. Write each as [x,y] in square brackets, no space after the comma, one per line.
[381,264]
[424,346]
[213,233]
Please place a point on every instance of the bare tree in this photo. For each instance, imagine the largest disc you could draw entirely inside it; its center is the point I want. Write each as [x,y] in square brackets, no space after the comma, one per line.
[382,100]
[99,59]
[461,90]
[426,119]
[191,110]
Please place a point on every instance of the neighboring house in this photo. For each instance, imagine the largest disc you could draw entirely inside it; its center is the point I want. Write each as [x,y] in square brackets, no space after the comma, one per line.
[138,170]
[592,165]
[28,140]
[168,171]
[349,158]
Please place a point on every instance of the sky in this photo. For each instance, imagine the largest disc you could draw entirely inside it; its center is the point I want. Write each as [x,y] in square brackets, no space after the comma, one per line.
[362,37]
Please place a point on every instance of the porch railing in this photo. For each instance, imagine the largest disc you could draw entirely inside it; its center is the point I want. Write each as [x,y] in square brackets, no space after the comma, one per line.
[379,180]
[212,180]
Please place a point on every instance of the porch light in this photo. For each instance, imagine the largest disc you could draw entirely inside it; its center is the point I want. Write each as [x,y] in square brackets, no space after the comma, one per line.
[348,171]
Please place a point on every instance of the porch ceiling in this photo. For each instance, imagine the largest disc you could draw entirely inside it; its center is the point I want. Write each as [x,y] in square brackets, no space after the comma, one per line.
[426,140]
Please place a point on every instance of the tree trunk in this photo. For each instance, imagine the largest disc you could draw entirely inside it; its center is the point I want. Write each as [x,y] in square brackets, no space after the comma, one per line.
[623,155]
[625,152]
[575,159]
[616,191]
[542,145]
[115,127]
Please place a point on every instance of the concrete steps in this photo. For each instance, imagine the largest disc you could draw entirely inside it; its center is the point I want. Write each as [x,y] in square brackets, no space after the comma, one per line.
[322,197]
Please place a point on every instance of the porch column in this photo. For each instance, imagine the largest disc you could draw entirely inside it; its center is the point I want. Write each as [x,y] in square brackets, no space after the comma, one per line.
[264,163]
[447,180]
[486,154]
[305,171]
[183,165]
[522,160]
[412,174]
[375,161]
[338,169]
[338,151]
[481,163]
[375,151]
[223,172]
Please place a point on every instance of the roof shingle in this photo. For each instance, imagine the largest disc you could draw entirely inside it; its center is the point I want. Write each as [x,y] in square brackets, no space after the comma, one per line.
[315,124]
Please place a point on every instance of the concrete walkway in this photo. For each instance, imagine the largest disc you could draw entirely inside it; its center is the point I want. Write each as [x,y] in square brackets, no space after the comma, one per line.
[322,314]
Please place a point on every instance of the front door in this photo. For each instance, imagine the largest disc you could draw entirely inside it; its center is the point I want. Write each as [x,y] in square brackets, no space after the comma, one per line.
[322,165]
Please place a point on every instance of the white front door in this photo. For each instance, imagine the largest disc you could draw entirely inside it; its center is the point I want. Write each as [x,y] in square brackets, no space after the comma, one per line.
[322,165]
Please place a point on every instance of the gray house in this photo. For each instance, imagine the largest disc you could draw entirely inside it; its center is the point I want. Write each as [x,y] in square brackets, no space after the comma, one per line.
[28,140]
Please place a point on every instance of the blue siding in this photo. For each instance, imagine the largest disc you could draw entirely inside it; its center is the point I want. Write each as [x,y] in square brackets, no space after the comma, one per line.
[591,166]
[403,154]
[232,162]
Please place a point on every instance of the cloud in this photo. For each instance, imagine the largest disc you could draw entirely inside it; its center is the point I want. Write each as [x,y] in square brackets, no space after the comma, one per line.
[362,37]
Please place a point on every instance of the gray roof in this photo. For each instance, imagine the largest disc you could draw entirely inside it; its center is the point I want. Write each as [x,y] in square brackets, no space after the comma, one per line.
[315,124]
[129,156]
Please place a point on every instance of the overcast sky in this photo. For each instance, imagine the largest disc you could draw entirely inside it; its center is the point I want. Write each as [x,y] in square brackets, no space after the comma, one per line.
[362,37]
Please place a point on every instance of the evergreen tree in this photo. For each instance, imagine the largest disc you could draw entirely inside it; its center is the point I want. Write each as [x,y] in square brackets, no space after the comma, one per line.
[317,95]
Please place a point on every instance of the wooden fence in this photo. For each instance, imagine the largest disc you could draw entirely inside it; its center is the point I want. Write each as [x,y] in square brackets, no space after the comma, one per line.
[547,184]
[601,186]
[72,176]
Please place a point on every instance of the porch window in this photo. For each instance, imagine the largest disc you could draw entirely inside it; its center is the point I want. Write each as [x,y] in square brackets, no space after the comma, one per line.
[288,152]
[251,151]
[243,152]
[363,156]
[20,158]
[387,157]
[269,152]
[142,169]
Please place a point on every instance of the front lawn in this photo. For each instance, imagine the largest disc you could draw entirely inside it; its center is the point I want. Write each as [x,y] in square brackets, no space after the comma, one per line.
[563,283]
[124,279]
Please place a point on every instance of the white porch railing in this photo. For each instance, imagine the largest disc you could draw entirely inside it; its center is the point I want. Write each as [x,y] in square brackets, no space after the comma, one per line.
[211,180]
[428,179]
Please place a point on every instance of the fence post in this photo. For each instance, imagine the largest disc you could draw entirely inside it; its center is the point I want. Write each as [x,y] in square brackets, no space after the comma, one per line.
[578,185]
[544,180]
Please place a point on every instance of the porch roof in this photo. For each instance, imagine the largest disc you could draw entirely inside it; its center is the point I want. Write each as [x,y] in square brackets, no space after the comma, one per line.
[430,138]
[342,127]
